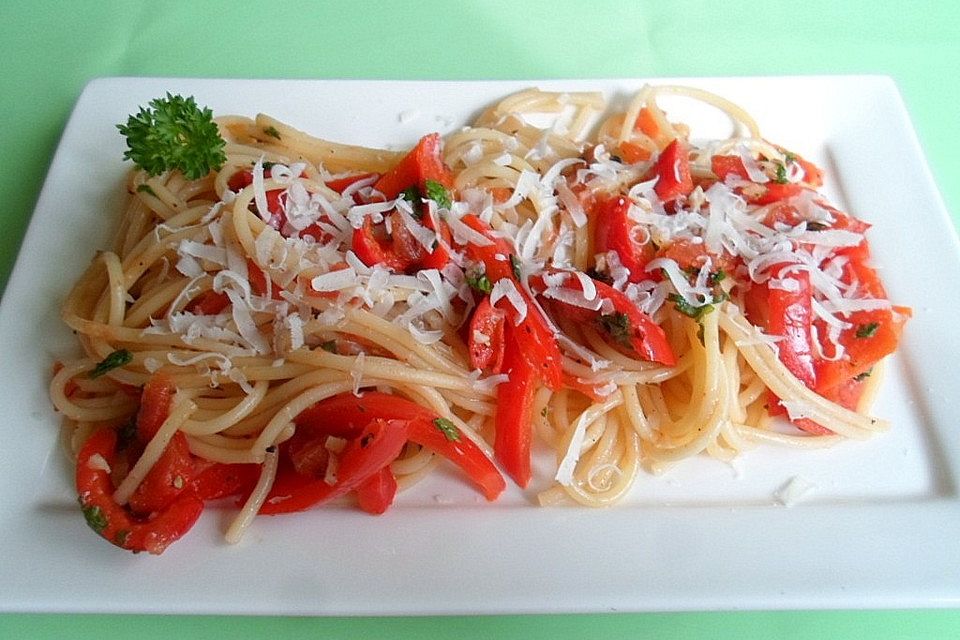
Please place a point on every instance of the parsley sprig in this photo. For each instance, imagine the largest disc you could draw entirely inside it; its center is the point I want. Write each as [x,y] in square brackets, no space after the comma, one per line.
[174,133]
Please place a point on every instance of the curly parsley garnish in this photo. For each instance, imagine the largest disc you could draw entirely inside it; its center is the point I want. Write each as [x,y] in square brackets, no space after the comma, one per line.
[174,133]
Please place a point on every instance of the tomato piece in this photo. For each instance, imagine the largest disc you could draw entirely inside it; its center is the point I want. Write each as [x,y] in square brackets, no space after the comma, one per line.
[343,415]
[341,184]
[154,405]
[723,166]
[617,232]
[513,438]
[627,326]
[209,303]
[775,192]
[673,171]
[220,480]
[646,123]
[496,257]
[376,493]
[633,153]
[872,336]
[791,317]
[112,521]
[485,341]
[167,479]
[421,164]
[376,446]
[373,250]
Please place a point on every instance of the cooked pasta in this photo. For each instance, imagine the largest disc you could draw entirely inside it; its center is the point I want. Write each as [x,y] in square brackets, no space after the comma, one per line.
[312,319]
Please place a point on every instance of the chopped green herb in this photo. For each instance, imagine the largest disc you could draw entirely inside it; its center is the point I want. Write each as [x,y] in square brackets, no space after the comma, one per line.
[94,517]
[617,325]
[145,188]
[267,165]
[438,193]
[412,195]
[329,345]
[272,131]
[867,330]
[121,538]
[448,429]
[687,309]
[118,358]
[816,226]
[781,174]
[789,156]
[479,282]
[863,376]
[515,265]
[717,276]
[174,133]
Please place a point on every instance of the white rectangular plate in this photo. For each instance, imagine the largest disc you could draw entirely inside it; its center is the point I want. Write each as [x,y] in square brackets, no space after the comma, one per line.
[878,527]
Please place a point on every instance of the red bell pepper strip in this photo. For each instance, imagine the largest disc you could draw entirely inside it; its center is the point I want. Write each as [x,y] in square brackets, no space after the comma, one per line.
[513,437]
[775,192]
[616,231]
[220,480]
[485,341]
[634,329]
[343,415]
[378,444]
[114,523]
[422,163]
[673,171]
[154,405]
[791,318]
[376,494]
[538,343]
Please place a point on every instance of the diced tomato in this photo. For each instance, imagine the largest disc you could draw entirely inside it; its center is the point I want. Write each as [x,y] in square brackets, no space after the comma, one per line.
[341,184]
[646,123]
[154,405]
[879,333]
[633,153]
[376,493]
[376,446]
[635,330]
[372,249]
[617,232]
[209,303]
[673,172]
[775,192]
[421,164]
[167,479]
[220,480]
[723,166]
[485,341]
[694,255]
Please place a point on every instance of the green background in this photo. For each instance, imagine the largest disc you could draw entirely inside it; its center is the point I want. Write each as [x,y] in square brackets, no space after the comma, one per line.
[51,49]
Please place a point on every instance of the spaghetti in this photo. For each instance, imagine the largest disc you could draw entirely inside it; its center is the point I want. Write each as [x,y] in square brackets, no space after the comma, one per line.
[312,319]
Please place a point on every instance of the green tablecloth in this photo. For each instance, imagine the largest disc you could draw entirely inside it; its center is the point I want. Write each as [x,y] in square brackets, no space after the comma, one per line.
[51,49]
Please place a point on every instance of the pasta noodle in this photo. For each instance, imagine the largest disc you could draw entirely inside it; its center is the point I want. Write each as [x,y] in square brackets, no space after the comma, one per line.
[686,293]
